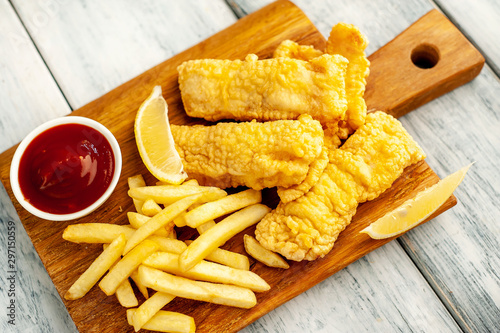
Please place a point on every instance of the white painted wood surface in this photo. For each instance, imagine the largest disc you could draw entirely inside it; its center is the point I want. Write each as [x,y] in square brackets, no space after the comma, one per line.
[28,97]
[448,282]
[480,22]
[93,46]
[458,251]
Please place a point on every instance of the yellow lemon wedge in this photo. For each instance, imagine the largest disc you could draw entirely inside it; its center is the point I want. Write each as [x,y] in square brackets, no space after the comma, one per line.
[417,209]
[155,142]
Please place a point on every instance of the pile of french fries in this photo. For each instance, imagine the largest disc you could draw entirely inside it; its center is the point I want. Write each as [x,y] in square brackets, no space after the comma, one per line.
[147,252]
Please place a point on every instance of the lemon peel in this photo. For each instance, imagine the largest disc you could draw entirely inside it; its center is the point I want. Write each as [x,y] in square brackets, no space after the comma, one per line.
[417,209]
[155,142]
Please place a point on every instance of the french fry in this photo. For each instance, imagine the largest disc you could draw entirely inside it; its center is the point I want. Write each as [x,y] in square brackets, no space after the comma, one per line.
[172,234]
[192,182]
[149,308]
[225,257]
[160,220]
[125,295]
[229,258]
[136,220]
[150,208]
[220,233]
[207,271]
[202,291]
[168,194]
[133,182]
[179,221]
[205,226]
[166,321]
[214,209]
[126,266]
[169,244]
[260,253]
[97,269]
[95,232]
[142,288]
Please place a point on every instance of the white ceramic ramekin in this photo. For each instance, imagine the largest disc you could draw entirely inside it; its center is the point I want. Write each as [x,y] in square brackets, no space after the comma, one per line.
[14,168]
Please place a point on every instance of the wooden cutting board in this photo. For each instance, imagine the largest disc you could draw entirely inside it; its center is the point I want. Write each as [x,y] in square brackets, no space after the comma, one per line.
[396,85]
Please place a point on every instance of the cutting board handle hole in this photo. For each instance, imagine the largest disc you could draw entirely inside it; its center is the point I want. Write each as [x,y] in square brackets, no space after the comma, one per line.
[425,56]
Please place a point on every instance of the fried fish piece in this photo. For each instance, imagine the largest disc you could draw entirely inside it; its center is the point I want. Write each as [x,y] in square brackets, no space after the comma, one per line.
[291,49]
[346,40]
[360,170]
[316,169]
[253,154]
[269,89]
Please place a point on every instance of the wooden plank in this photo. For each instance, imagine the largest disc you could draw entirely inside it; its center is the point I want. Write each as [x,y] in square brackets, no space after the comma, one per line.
[28,97]
[370,295]
[445,130]
[28,89]
[431,67]
[454,250]
[480,22]
[93,47]
[242,7]
[381,20]
[125,100]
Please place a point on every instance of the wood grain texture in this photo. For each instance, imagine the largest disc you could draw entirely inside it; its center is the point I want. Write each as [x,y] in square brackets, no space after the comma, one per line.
[92,47]
[29,96]
[373,279]
[457,251]
[38,305]
[454,251]
[124,100]
[382,21]
[480,22]
[426,67]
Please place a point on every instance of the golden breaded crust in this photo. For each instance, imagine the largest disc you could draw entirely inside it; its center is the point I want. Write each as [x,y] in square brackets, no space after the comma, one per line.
[291,49]
[364,167]
[270,89]
[348,41]
[316,169]
[384,147]
[253,154]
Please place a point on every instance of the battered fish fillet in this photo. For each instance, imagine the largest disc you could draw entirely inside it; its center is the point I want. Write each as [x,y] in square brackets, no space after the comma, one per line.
[345,40]
[269,89]
[253,154]
[364,167]
[291,49]
[316,169]
[349,42]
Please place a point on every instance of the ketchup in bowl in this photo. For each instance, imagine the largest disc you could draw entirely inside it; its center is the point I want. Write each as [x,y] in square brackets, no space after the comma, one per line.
[66,168]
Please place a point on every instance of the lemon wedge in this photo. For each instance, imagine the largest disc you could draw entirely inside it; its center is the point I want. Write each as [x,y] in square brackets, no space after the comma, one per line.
[155,142]
[417,209]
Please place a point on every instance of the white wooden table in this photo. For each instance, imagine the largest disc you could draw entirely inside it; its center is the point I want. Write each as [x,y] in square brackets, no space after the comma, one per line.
[58,55]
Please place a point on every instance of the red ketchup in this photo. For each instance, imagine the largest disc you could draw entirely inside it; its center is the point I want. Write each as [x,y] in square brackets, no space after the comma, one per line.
[66,169]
